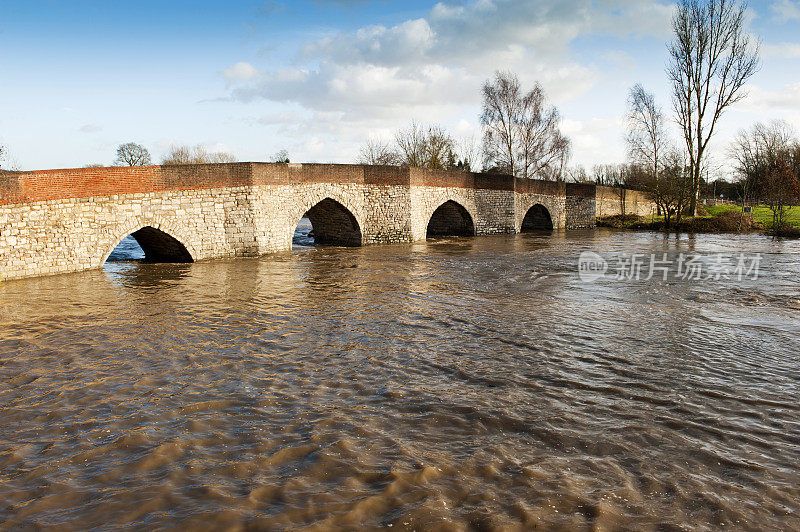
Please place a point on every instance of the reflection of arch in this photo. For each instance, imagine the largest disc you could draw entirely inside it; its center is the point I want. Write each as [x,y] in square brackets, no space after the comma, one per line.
[450,219]
[334,224]
[159,243]
[537,218]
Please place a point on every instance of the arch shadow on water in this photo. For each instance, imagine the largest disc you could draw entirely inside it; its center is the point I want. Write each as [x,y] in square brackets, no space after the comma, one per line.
[327,223]
[149,244]
[537,219]
[450,219]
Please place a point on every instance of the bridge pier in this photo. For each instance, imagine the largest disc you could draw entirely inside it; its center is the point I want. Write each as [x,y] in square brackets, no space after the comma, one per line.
[57,221]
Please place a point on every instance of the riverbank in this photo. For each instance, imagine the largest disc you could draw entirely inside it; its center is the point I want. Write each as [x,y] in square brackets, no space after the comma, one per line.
[719,219]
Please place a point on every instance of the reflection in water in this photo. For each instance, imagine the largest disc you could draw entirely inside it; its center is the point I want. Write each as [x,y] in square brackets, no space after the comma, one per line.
[127,250]
[459,383]
[303,234]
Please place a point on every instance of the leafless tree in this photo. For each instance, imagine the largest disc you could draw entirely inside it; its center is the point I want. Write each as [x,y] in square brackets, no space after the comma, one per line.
[468,151]
[768,166]
[220,157]
[281,156]
[132,154]
[197,155]
[521,132]
[711,58]
[425,147]
[780,189]
[646,137]
[438,150]
[577,174]
[7,161]
[411,144]
[378,153]
[178,155]
[674,190]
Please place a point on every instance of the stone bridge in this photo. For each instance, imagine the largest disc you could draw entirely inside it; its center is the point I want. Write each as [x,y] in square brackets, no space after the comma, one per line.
[56,221]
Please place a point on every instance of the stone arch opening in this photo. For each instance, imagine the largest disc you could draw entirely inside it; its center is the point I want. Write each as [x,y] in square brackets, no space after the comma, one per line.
[149,244]
[332,224]
[537,219]
[450,219]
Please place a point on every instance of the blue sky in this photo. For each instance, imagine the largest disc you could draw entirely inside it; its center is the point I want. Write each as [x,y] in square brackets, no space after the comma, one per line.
[319,78]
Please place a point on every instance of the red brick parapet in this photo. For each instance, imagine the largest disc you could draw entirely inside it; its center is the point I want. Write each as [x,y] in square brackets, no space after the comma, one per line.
[47,185]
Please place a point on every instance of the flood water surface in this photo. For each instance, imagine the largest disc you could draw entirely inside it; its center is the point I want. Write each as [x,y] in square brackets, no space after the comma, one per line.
[458,384]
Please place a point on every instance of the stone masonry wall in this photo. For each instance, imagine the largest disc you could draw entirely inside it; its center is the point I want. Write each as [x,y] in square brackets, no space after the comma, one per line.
[67,220]
[609,204]
[580,206]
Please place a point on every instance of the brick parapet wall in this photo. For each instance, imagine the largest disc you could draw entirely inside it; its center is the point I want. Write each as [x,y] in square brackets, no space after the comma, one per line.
[57,221]
[46,185]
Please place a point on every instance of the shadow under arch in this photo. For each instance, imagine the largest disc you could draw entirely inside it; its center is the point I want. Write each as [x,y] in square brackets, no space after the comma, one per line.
[450,219]
[157,245]
[537,219]
[332,224]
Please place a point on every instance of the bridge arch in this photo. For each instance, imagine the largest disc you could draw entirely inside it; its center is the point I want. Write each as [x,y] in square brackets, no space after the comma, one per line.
[450,219]
[159,240]
[537,218]
[332,223]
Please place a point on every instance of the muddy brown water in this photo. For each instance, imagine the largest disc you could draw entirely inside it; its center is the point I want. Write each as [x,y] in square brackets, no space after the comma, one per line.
[458,384]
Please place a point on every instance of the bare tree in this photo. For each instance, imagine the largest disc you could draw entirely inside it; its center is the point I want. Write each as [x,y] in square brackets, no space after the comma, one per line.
[501,98]
[544,150]
[220,157]
[425,147]
[521,132]
[197,155]
[7,161]
[674,190]
[711,58]
[768,166]
[281,156]
[577,174]
[411,143]
[646,137]
[178,155]
[780,189]
[438,149]
[469,154]
[132,154]
[378,153]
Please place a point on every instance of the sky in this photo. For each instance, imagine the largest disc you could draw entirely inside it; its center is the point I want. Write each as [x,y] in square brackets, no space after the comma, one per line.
[319,78]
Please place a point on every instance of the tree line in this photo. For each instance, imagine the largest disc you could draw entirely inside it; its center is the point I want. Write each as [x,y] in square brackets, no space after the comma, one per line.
[133,154]
[521,137]
[711,58]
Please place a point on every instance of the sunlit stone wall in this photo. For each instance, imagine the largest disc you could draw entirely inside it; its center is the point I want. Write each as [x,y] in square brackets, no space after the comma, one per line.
[610,202]
[58,221]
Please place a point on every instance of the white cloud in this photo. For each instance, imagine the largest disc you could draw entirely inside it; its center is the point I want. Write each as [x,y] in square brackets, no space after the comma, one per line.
[786,10]
[619,59]
[786,99]
[90,128]
[362,83]
[786,50]
[442,59]
[596,140]
[240,72]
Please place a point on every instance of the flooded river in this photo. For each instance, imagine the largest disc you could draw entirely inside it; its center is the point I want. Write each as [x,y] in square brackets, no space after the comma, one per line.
[458,384]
